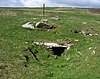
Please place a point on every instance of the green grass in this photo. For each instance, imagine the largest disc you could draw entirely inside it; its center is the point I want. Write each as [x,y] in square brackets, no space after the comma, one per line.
[13,40]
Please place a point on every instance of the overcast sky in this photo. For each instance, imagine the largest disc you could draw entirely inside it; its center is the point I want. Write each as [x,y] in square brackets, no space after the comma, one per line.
[51,3]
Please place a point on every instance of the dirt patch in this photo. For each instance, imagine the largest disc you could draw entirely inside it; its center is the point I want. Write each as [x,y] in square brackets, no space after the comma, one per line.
[94,10]
[8,13]
[44,26]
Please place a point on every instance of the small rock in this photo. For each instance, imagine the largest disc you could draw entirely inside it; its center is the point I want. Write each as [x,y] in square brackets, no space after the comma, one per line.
[88,65]
[76,40]
[96,34]
[90,48]
[84,23]
[90,35]
[93,51]
[80,53]
[44,20]
[28,25]
[67,58]
[55,18]
[26,42]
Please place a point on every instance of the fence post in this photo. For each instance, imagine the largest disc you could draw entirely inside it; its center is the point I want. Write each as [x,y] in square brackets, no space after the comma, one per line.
[43,10]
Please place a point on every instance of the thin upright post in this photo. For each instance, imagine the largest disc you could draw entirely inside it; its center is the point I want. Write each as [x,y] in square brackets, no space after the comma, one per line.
[43,10]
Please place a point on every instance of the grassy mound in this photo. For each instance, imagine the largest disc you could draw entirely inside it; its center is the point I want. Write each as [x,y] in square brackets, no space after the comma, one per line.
[81,61]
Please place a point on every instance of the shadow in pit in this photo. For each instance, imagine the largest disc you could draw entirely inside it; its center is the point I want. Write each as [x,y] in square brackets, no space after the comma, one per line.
[58,50]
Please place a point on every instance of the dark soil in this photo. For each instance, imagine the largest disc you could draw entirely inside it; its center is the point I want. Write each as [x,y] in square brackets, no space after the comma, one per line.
[94,10]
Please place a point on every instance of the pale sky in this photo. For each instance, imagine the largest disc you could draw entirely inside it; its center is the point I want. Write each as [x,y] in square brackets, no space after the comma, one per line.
[51,3]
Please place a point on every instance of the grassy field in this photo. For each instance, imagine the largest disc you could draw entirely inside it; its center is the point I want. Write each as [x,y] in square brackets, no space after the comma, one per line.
[79,62]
